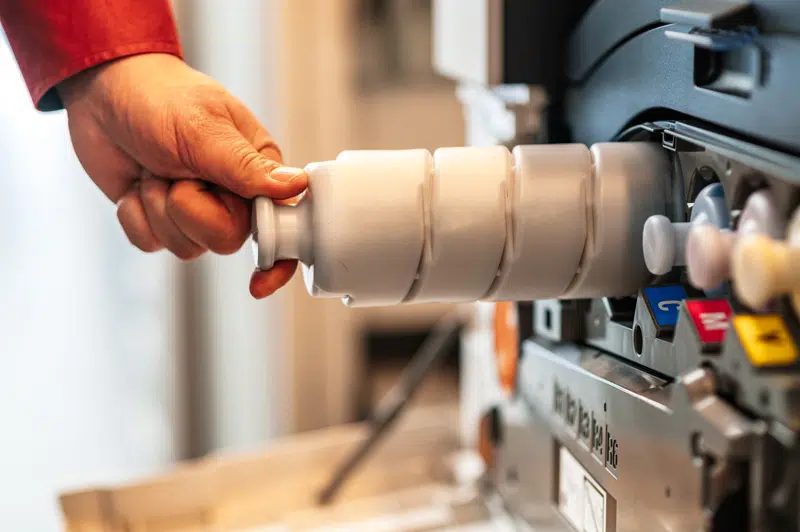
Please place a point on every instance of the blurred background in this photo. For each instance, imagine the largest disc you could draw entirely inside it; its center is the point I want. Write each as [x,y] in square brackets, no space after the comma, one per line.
[116,364]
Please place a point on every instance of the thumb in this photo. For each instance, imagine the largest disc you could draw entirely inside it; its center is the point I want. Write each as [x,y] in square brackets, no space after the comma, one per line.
[229,160]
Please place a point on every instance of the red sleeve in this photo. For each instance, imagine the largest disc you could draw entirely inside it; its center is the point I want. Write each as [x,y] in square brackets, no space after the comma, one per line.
[55,39]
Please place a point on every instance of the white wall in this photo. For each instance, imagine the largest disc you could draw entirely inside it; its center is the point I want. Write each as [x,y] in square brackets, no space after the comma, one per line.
[86,374]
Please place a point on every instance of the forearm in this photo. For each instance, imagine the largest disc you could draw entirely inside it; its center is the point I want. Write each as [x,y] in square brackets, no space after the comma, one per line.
[53,40]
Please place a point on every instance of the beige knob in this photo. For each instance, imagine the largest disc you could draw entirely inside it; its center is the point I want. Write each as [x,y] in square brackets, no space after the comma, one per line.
[764,268]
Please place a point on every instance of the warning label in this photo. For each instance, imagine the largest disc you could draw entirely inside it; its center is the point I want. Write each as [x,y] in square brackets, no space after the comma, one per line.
[580,499]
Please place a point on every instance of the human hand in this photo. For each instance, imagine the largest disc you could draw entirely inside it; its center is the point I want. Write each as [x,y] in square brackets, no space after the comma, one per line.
[179,155]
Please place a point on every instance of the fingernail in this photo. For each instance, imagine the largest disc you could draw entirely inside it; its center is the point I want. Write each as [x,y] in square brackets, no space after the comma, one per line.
[286,174]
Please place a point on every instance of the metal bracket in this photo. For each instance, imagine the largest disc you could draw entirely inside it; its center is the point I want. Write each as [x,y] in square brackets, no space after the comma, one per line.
[710,14]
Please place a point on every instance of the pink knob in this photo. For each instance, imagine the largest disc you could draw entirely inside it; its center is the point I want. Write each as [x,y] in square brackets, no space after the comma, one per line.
[708,252]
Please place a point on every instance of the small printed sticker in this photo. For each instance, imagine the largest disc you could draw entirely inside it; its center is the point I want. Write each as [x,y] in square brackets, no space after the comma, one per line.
[711,318]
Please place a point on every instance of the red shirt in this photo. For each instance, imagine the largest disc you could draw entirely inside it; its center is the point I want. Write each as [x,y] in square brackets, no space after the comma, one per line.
[55,39]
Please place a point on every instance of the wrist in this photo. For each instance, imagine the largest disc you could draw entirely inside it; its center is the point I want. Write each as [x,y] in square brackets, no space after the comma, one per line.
[101,79]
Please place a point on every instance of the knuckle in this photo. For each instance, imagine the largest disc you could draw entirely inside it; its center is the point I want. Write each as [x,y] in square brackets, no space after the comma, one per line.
[237,224]
[184,202]
[137,230]
[146,243]
[143,242]
[186,253]
[180,194]
[153,191]
[230,245]
[149,248]
[248,159]
[271,150]
[230,237]
[252,170]
[224,237]
[206,218]
[276,150]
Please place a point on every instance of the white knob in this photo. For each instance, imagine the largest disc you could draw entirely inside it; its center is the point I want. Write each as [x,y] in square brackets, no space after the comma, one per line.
[281,232]
[664,242]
